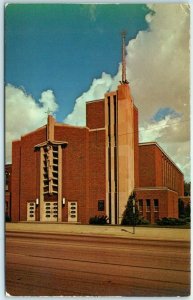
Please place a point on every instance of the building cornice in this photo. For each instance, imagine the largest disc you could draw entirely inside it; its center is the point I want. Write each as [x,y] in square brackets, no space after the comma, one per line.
[159,188]
[92,101]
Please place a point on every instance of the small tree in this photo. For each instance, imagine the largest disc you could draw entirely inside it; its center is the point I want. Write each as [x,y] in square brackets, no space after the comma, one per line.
[187,188]
[187,210]
[129,217]
[181,209]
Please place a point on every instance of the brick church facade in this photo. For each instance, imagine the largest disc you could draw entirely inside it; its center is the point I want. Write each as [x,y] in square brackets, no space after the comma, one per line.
[64,173]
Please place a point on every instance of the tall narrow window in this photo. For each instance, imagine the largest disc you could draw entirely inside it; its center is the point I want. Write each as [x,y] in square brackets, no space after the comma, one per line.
[101,205]
[140,206]
[148,205]
[156,205]
[50,169]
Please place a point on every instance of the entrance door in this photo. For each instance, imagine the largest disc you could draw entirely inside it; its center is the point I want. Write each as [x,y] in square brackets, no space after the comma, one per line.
[51,211]
[72,211]
[31,216]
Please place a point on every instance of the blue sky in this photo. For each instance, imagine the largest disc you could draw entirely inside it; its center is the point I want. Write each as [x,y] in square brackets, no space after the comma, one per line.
[63,47]
[59,56]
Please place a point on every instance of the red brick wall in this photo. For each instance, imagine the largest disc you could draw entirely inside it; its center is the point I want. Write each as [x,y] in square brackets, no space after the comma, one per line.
[25,173]
[95,114]
[74,169]
[180,184]
[168,203]
[97,171]
[159,167]
[30,169]
[147,168]
[15,183]
[152,172]
[172,204]
[77,178]
[136,147]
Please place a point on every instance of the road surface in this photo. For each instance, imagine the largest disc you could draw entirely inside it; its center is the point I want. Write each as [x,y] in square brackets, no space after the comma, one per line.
[74,265]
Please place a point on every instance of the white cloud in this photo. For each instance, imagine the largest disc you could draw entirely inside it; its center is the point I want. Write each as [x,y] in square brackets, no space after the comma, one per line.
[158,71]
[24,114]
[173,136]
[158,62]
[96,91]
[160,78]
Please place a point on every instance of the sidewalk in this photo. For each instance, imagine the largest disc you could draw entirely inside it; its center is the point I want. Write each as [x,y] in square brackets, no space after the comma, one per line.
[119,231]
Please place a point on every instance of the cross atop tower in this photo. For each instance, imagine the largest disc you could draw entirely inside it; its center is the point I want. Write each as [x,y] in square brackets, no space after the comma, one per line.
[124,79]
[48,112]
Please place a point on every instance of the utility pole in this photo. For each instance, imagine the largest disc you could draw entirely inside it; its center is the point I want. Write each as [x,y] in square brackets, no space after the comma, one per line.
[133,216]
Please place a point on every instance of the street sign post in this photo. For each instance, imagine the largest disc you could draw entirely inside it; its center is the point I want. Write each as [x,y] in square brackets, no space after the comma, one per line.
[133,216]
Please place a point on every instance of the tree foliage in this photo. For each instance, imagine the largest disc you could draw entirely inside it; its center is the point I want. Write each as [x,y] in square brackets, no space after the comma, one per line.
[184,210]
[181,209]
[129,217]
[98,220]
[187,188]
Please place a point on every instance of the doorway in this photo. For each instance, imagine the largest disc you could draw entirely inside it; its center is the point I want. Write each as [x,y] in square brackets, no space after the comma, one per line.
[31,213]
[72,211]
[51,211]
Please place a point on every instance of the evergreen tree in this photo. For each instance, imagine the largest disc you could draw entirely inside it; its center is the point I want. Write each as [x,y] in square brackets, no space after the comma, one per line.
[187,188]
[187,210]
[181,210]
[129,216]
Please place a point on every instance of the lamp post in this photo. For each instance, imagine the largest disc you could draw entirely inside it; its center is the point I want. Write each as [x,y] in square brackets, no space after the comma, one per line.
[133,216]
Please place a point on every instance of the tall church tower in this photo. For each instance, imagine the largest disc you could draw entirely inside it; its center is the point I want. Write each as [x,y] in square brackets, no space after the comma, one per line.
[120,153]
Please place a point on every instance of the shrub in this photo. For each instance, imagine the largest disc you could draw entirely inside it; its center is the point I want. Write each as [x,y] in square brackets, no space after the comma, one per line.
[170,221]
[98,220]
[143,221]
[188,219]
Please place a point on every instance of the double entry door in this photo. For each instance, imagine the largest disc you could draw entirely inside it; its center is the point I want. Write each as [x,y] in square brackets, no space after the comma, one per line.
[51,211]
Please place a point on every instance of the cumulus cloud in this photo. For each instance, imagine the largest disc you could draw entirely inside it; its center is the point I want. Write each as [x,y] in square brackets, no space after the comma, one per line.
[158,72]
[96,91]
[158,61]
[24,114]
[173,136]
[162,80]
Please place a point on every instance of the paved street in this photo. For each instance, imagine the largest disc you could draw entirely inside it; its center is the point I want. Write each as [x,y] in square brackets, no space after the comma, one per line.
[158,233]
[62,264]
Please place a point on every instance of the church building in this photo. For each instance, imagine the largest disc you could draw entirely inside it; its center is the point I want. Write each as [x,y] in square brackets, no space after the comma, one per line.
[64,173]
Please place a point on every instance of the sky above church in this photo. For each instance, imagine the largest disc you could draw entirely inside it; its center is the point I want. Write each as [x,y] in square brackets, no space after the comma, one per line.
[63,47]
[58,56]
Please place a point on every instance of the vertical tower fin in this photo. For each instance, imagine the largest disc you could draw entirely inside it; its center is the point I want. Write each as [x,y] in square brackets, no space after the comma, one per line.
[124,79]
